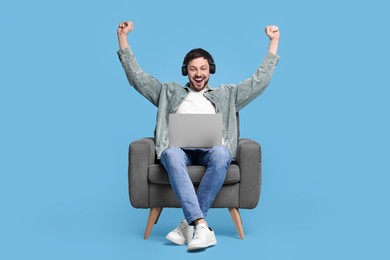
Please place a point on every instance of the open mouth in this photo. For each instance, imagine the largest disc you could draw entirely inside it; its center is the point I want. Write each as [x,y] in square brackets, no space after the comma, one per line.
[199,80]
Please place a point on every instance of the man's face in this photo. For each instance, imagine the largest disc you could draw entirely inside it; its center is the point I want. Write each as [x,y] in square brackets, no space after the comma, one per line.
[198,73]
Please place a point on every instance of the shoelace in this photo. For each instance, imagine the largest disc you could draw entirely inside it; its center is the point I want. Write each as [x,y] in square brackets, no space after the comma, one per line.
[181,227]
[196,231]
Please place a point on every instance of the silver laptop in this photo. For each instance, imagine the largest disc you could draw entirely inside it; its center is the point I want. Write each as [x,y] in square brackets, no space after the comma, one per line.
[195,130]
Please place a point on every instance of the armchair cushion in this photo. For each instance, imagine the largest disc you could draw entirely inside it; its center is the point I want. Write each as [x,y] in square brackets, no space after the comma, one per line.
[158,175]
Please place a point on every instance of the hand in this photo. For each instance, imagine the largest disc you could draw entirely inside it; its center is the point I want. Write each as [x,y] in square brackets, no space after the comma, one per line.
[272,32]
[125,27]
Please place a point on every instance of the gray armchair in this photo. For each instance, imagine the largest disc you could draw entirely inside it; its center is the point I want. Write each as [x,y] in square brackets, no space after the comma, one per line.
[149,185]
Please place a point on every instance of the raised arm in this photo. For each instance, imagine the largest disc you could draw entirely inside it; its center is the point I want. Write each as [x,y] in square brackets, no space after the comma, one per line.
[252,87]
[145,84]
[123,30]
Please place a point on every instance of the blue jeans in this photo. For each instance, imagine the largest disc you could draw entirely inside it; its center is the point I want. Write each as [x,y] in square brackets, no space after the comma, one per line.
[175,160]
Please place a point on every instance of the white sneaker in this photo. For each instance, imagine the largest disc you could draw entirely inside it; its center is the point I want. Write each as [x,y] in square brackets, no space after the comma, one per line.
[203,237]
[182,234]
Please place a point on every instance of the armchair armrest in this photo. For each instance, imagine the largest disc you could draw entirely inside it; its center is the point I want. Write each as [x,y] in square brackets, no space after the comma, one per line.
[249,161]
[141,155]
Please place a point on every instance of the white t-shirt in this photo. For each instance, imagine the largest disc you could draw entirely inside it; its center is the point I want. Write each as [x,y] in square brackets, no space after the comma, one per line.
[196,103]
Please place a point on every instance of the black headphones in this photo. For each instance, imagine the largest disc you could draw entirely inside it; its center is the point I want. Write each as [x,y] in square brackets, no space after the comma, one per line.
[184,70]
[197,53]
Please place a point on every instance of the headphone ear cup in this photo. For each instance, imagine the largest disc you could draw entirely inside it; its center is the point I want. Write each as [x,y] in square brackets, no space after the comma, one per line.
[184,71]
[212,68]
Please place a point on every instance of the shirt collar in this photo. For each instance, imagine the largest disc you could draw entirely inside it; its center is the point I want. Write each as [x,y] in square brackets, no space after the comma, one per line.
[207,89]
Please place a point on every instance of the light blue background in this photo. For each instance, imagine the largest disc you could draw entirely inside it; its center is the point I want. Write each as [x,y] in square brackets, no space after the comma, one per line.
[68,115]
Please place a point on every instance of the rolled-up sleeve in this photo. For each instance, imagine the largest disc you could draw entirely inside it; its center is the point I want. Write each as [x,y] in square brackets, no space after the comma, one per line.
[145,84]
[249,89]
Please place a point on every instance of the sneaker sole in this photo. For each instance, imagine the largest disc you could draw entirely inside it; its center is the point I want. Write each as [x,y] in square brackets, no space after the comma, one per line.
[196,247]
[177,242]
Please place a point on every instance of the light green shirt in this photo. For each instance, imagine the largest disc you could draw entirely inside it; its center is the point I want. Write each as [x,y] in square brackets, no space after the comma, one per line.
[228,99]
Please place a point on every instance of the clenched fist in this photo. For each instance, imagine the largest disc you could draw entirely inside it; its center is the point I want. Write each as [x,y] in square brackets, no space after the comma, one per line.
[272,32]
[125,27]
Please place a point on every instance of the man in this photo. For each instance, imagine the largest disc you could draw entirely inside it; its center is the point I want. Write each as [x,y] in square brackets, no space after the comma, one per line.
[196,97]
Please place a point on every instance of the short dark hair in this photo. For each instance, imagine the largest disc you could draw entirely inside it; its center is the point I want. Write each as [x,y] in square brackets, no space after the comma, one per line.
[198,53]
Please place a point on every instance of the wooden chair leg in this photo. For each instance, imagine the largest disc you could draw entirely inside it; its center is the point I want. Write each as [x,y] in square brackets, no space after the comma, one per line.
[237,221]
[154,215]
